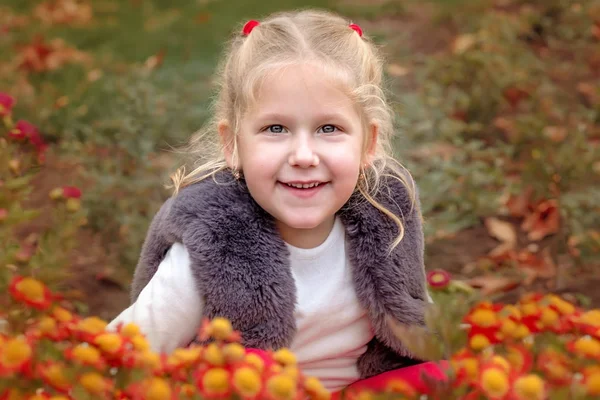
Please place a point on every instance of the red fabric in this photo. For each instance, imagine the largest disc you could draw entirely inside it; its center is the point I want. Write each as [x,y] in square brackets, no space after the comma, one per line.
[411,375]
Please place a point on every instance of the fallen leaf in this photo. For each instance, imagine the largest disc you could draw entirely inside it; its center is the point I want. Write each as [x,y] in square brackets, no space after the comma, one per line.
[397,70]
[492,284]
[543,221]
[463,43]
[501,230]
[156,60]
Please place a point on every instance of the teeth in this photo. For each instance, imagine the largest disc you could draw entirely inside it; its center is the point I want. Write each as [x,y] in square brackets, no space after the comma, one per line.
[303,186]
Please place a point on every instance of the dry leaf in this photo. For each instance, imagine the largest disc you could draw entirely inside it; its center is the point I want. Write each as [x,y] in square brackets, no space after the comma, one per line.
[463,43]
[156,60]
[520,205]
[501,230]
[397,70]
[544,221]
[492,284]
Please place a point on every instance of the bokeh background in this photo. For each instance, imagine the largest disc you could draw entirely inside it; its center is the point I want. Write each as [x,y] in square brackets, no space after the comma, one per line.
[498,119]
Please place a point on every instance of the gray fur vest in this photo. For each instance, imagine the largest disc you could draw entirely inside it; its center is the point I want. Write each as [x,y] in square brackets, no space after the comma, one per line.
[241,267]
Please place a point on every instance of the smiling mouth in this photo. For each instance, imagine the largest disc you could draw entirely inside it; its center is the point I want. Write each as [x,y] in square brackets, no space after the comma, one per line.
[303,185]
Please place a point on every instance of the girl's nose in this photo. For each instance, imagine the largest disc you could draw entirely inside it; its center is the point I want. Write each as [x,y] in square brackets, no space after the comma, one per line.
[303,154]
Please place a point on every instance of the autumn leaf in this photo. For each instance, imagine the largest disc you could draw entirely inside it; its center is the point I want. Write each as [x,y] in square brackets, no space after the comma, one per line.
[493,284]
[543,221]
[501,230]
[463,43]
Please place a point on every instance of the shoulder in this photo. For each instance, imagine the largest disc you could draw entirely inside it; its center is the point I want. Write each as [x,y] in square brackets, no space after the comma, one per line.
[213,209]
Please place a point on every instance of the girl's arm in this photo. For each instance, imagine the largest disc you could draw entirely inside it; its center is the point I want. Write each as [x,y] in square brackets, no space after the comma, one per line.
[169,308]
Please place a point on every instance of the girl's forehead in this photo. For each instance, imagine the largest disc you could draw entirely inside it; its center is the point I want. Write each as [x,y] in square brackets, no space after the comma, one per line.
[299,85]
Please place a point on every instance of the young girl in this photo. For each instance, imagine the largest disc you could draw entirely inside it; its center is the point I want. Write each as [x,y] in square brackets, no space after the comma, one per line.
[298,226]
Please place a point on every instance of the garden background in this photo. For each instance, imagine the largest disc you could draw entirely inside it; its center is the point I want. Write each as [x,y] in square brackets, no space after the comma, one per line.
[498,115]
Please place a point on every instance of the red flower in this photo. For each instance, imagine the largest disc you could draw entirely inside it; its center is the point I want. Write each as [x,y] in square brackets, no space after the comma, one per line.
[71,192]
[6,104]
[31,292]
[24,129]
[438,279]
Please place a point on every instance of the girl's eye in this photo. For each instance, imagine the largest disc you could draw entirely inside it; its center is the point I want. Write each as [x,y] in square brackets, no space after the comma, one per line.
[276,129]
[328,128]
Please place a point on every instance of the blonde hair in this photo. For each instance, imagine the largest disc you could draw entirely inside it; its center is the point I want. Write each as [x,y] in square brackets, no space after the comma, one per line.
[285,39]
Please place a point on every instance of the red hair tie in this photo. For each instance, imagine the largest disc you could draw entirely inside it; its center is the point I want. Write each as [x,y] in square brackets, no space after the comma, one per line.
[356,28]
[249,26]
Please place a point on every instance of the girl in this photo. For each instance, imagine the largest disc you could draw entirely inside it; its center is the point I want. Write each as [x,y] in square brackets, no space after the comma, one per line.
[298,226]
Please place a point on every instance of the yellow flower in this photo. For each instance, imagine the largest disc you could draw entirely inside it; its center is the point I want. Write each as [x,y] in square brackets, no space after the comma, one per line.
[47,325]
[501,362]
[220,328]
[184,356]
[216,381]
[149,359]
[247,381]
[130,330]
[92,325]
[549,317]
[157,389]
[86,354]
[591,317]
[592,383]
[94,383]
[256,362]
[315,388]
[563,306]
[110,343]
[281,387]
[140,343]
[479,342]
[213,355]
[484,318]
[234,352]
[285,357]
[587,346]
[511,311]
[521,332]
[53,374]
[529,387]
[14,354]
[508,328]
[61,314]
[494,382]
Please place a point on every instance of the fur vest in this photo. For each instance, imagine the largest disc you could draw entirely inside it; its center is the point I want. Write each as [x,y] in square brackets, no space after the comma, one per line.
[241,265]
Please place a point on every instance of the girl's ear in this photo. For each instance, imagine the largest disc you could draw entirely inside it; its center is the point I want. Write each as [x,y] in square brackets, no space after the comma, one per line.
[227,141]
[372,136]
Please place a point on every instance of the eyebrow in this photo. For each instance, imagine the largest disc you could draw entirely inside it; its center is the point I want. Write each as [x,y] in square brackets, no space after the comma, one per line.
[321,117]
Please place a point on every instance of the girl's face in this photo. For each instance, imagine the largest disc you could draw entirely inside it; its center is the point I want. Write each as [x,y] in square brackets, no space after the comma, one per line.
[300,150]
